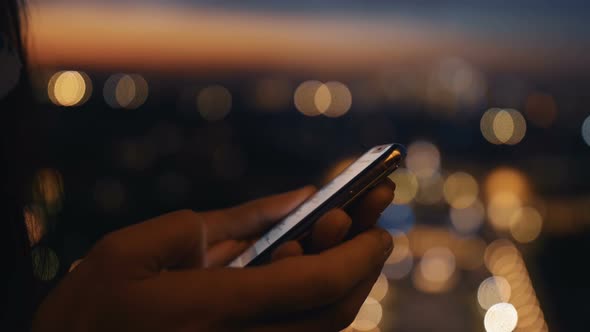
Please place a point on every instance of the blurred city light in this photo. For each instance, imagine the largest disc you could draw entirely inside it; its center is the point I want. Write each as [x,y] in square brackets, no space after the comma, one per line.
[322,98]
[526,224]
[35,223]
[369,315]
[436,271]
[406,186]
[505,179]
[501,208]
[125,91]
[423,159]
[48,189]
[214,102]
[380,288]
[45,263]
[339,102]
[493,290]
[541,109]
[503,126]
[586,130]
[69,88]
[460,190]
[430,189]
[468,220]
[469,252]
[501,317]
[305,98]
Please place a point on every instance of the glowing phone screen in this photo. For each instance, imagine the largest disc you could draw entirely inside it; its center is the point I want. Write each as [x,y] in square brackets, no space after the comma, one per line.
[312,203]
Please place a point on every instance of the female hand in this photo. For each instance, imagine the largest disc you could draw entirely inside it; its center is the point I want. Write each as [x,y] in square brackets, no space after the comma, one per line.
[168,274]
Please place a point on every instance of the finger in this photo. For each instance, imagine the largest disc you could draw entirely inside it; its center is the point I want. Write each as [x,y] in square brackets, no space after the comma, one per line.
[335,317]
[330,230]
[222,253]
[366,211]
[250,219]
[287,249]
[171,240]
[305,282]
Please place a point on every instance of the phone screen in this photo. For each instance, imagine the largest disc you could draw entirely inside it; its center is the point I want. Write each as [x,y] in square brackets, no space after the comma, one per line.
[311,204]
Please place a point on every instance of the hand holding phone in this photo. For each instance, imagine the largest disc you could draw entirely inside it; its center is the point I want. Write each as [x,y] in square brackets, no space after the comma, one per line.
[356,179]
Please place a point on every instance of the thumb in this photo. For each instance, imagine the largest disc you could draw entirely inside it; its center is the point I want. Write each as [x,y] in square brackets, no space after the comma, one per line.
[173,240]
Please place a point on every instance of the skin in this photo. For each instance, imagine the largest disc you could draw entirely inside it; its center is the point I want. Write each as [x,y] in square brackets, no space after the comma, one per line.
[168,274]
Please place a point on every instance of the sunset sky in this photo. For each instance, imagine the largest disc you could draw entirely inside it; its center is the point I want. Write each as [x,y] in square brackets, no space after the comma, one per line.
[307,35]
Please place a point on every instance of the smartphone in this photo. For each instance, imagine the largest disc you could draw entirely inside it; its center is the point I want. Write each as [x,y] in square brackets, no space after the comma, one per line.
[363,174]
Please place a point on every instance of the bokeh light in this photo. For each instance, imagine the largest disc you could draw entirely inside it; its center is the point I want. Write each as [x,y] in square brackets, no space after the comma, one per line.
[322,98]
[45,263]
[339,102]
[369,315]
[430,189]
[468,220]
[399,270]
[501,208]
[214,102]
[503,126]
[586,130]
[493,290]
[460,190]
[48,189]
[469,252]
[305,97]
[423,159]
[526,224]
[541,109]
[406,186]
[505,179]
[128,91]
[69,88]
[380,288]
[501,317]
[35,223]
[436,271]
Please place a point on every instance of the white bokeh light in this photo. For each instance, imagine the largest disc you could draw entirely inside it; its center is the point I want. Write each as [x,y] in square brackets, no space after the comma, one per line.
[501,317]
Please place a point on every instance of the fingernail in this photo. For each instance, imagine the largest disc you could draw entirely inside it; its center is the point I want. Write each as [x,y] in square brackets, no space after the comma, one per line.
[387,242]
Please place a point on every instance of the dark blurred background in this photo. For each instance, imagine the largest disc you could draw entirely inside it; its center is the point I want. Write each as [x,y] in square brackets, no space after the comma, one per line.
[156,105]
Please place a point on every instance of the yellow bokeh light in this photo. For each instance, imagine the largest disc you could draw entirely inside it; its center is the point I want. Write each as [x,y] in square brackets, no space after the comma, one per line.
[369,315]
[304,98]
[460,190]
[340,99]
[501,317]
[423,159]
[526,224]
[501,208]
[322,98]
[503,126]
[406,186]
[501,254]
[506,179]
[48,189]
[214,102]
[493,290]
[469,219]
[69,88]
[380,288]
